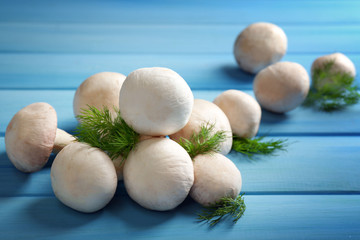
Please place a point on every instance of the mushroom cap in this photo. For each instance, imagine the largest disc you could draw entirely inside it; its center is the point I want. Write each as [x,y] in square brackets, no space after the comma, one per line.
[155,101]
[342,64]
[216,176]
[242,110]
[281,87]
[119,162]
[259,45]
[99,90]
[83,177]
[158,174]
[30,136]
[206,112]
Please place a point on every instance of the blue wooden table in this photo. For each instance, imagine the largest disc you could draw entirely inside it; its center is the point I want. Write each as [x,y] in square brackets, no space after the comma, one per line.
[47,48]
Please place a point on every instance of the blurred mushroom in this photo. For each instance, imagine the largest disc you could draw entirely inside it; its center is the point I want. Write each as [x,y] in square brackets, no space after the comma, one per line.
[242,110]
[83,177]
[155,101]
[99,90]
[340,64]
[158,174]
[206,112]
[259,45]
[32,135]
[281,87]
[216,177]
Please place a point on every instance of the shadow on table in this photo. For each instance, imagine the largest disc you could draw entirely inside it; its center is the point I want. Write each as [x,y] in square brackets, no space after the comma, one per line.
[12,180]
[235,73]
[134,215]
[50,213]
[273,118]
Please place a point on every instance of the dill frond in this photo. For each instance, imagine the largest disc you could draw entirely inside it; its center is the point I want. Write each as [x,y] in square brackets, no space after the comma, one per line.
[331,91]
[99,129]
[203,142]
[253,146]
[227,206]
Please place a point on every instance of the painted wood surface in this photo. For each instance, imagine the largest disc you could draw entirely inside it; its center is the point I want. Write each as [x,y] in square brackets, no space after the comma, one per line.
[198,38]
[267,217]
[208,71]
[47,48]
[181,12]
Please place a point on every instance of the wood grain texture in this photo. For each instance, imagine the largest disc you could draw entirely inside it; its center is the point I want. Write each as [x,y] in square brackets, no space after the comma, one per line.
[181,12]
[160,39]
[267,217]
[67,71]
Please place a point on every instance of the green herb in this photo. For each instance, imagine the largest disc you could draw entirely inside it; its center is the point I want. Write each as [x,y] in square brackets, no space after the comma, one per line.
[250,147]
[227,206]
[99,129]
[331,91]
[203,142]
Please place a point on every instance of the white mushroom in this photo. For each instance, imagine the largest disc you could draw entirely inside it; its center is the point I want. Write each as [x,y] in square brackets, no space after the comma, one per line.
[281,87]
[206,112]
[32,135]
[83,177]
[242,110]
[216,177]
[341,64]
[158,174]
[119,162]
[155,101]
[259,45]
[99,90]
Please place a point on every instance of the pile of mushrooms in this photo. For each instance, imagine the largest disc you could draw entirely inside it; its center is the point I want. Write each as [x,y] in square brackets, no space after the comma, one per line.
[158,173]
[158,104]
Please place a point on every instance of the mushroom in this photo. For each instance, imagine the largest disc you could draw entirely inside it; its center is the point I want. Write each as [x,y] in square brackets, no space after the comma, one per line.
[259,45]
[341,64]
[158,174]
[83,177]
[242,110]
[216,177]
[120,161]
[32,135]
[155,101]
[281,87]
[99,90]
[206,112]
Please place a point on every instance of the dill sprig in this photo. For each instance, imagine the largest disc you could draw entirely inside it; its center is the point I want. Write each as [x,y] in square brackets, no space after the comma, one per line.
[100,129]
[253,146]
[203,142]
[227,206]
[330,90]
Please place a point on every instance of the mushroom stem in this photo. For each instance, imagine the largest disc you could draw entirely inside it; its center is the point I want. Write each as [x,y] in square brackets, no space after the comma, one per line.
[62,139]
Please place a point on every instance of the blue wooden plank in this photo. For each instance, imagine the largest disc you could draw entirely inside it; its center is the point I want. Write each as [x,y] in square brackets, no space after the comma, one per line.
[195,38]
[180,12]
[266,217]
[301,121]
[310,165]
[60,100]
[67,71]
